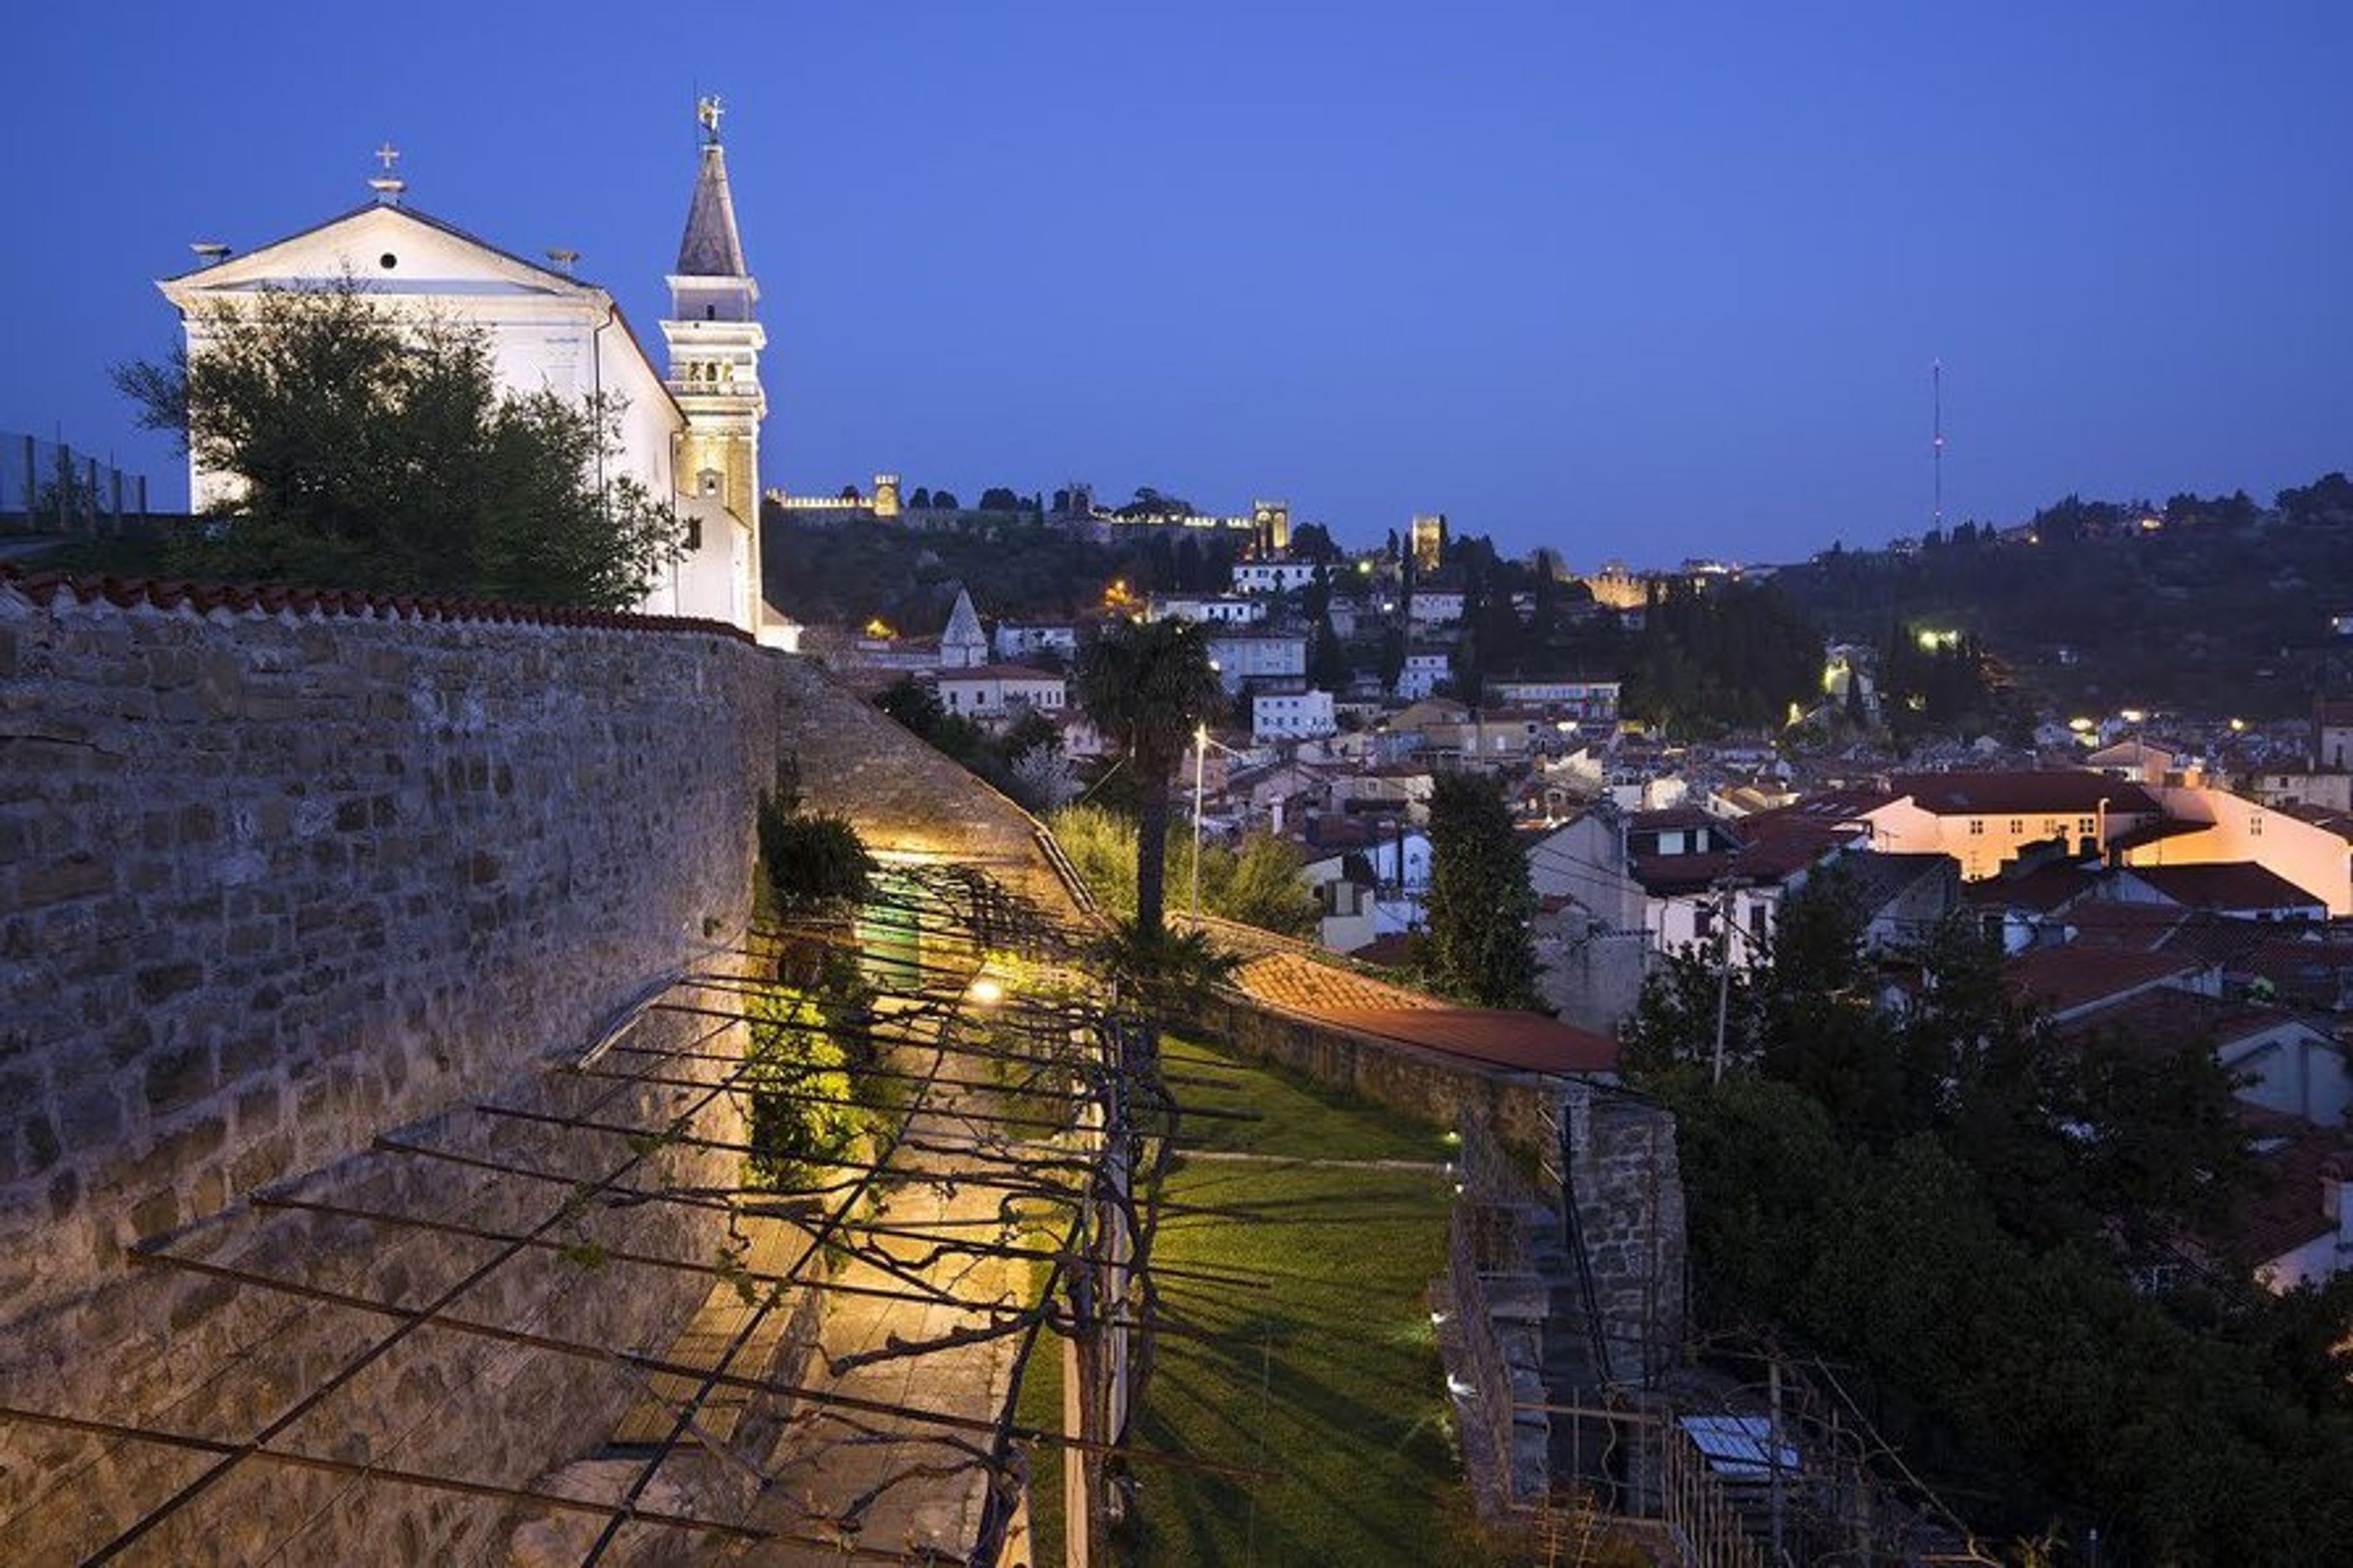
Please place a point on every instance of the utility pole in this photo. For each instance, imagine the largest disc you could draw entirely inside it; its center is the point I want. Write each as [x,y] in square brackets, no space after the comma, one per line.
[1773,1454]
[1724,886]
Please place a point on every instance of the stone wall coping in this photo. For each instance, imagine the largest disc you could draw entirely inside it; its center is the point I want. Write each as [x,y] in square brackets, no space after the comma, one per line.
[46,589]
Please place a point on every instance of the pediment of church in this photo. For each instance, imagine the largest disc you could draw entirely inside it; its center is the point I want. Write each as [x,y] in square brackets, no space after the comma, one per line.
[392,250]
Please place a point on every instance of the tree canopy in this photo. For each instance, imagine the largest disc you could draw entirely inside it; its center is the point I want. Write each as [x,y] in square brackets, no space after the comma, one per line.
[1479,899]
[1147,685]
[1946,1196]
[375,449]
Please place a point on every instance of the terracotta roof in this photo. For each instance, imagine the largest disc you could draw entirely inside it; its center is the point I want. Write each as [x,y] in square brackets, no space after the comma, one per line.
[1675,816]
[999,672]
[1780,843]
[2157,832]
[2278,1216]
[2225,884]
[2119,927]
[1875,880]
[2045,889]
[2067,980]
[1667,875]
[1389,952]
[46,588]
[1307,985]
[1497,1037]
[2024,793]
[1528,1041]
[2166,1023]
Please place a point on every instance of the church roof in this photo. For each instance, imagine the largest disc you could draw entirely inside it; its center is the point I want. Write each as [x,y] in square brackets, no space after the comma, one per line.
[964,624]
[564,280]
[710,246]
[246,272]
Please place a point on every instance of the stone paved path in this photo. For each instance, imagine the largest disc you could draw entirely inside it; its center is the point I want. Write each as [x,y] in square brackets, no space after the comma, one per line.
[912,1484]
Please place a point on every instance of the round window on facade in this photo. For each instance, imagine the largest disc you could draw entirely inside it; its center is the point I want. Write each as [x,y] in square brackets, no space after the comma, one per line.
[388,261]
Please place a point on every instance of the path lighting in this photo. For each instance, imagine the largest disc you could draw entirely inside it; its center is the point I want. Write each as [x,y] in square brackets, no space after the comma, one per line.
[984,992]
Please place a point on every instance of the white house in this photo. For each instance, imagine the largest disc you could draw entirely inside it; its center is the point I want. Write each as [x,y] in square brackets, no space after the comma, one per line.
[1435,607]
[1423,670]
[2309,846]
[1001,691]
[1281,714]
[1018,640]
[1273,576]
[1576,697]
[1983,819]
[1210,609]
[691,437]
[1242,657]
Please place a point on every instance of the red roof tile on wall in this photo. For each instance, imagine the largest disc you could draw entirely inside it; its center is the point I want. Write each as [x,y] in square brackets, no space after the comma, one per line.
[45,588]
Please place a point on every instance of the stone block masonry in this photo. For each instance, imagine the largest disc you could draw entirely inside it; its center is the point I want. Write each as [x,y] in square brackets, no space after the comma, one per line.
[281,873]
[271,885]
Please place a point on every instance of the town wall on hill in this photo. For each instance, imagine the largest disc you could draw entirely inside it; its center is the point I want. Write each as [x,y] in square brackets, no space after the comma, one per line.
[281,874]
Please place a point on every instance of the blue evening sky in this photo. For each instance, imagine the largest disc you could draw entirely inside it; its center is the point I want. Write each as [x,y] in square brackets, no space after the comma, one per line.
[1643,282]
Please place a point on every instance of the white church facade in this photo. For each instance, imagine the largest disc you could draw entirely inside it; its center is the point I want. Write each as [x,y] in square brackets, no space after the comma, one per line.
[692,435]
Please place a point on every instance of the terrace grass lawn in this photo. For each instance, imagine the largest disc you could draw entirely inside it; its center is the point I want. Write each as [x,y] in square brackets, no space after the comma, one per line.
[1328,1377]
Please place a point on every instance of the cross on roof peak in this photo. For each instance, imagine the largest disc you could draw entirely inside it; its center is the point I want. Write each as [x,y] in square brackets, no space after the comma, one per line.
[388,155]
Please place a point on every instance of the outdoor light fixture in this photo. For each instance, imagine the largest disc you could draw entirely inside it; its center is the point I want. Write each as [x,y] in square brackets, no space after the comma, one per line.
[984,992]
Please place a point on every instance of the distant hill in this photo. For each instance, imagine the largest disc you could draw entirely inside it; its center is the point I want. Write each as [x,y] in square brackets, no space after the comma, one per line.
[2220,607]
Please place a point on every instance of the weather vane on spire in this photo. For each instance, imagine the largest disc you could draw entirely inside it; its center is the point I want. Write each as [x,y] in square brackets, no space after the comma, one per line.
[707,111]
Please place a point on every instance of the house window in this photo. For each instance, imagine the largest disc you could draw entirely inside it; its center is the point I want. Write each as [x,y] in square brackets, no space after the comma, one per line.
[2017,828]
[2087,825]
[1977,827]
[2254,827]
[694,533]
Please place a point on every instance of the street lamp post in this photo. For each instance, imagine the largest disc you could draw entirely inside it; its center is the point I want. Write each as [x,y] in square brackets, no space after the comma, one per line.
[1200,763]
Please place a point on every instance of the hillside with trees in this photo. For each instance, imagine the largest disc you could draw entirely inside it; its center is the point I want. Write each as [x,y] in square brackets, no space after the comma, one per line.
[848,573]
[2215,603]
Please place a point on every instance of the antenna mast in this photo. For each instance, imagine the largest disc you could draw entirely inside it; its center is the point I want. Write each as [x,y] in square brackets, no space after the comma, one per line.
[1937,445]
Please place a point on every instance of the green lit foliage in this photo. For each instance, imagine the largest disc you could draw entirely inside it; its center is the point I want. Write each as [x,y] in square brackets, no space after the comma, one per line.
[375,449]
[1147,685]
[802,1115]
[1158,972]
[810,858]
[1253,883]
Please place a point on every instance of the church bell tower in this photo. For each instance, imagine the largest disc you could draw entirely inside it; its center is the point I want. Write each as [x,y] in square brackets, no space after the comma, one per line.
[715,341]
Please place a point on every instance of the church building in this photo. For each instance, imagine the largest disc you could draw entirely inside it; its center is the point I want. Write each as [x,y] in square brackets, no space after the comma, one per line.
[692,435]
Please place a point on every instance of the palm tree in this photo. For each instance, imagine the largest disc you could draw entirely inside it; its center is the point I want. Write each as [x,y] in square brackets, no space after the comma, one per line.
[1147,685]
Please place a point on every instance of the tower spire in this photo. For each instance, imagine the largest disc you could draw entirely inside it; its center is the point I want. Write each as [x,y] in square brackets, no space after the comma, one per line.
[710,247]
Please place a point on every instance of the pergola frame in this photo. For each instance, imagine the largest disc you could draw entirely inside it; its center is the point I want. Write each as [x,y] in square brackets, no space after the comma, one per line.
[1091,1096]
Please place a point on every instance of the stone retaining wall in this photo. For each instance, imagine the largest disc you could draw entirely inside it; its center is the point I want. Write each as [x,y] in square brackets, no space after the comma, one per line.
[274,883]
[1617,1152]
